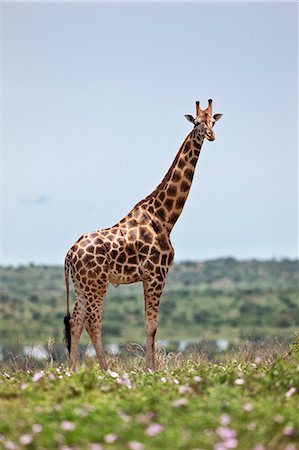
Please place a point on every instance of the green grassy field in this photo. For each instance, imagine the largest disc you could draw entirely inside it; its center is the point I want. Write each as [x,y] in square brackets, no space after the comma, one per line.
[245,400]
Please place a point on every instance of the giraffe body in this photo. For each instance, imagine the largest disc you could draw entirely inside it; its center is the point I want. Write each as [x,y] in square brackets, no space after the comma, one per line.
[136,249]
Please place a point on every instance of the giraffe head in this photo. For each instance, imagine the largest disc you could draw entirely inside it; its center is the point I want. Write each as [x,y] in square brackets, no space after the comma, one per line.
[204,121]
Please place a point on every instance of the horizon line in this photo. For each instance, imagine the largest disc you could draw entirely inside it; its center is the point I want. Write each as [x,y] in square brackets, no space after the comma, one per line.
[182,261]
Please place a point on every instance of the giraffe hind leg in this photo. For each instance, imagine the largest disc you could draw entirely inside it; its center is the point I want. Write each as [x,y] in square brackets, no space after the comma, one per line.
[93,323]
[76,323]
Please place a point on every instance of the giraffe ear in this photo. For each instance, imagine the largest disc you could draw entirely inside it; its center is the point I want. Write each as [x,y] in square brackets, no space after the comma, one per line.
[217,117]
[190,118]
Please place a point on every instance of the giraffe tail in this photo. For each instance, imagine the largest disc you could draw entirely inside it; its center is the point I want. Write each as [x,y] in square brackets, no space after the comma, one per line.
[66,320]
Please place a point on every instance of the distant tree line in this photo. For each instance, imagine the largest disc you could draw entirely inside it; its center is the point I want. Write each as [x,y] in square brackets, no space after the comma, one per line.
[218,298]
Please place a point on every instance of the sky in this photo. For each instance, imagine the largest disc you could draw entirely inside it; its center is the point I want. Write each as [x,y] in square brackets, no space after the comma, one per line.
[93,97]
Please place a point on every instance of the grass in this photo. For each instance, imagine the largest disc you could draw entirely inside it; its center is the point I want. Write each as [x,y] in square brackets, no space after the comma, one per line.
[246,400]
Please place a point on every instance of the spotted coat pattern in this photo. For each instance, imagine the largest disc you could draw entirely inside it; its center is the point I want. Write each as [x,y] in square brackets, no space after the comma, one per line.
[136,249]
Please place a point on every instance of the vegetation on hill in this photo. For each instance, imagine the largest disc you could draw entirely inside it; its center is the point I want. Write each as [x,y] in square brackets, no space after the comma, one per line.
[219,298]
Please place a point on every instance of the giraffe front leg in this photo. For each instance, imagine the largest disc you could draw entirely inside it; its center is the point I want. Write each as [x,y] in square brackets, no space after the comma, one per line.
[152,295]
[95,332]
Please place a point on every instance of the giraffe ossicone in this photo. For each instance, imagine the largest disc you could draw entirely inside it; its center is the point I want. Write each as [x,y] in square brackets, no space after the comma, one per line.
[136,249]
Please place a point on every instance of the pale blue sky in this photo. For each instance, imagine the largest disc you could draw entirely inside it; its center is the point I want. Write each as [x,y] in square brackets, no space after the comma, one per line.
[93,104]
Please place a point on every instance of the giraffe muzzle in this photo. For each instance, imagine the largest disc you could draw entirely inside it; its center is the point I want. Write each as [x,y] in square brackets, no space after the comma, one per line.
[211,136]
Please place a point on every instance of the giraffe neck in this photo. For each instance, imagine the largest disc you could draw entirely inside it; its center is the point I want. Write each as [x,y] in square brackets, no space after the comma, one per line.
[168,199]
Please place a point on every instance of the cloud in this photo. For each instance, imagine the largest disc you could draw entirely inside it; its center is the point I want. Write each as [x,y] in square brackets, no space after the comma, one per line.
[41,200]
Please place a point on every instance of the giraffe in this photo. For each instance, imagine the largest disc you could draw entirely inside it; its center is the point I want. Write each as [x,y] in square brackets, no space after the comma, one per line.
[136,249]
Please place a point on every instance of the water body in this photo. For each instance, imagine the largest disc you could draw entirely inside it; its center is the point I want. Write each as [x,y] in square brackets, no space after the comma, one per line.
[59,352]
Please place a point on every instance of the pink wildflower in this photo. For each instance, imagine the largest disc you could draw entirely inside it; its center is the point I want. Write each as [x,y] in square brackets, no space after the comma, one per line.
[290,392]
[135,445]
[154,429]
[231,443]
[37,376]
[224,419]
[125,417]
[219,446]
[288,431]
[67,426]
[113,374]
[9,445]
[36,428]
[179,402]
[94,446]
[183,389]
[126,381]
[248,407]
[110,438]
[26,439]
[239,381]
[197,378]
[226,433]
